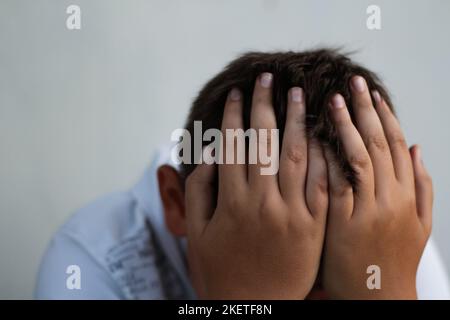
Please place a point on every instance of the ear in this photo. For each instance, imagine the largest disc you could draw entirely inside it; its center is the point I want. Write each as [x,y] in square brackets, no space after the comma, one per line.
[172,196]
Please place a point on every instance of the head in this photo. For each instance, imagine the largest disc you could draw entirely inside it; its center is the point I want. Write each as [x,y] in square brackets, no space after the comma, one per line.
[320,73]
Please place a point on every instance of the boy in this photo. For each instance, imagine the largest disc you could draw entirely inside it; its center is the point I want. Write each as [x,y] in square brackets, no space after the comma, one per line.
[348,195]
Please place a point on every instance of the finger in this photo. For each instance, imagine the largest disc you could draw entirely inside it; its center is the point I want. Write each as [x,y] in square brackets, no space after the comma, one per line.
[354,149]
[371,130]
[317,180]
[293,159]
[339,190]
[424,189]
[199,197]
[233,172]
[396,140]
[263,120]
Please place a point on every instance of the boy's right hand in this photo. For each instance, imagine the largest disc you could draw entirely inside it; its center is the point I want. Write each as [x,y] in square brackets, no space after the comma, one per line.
[264,238]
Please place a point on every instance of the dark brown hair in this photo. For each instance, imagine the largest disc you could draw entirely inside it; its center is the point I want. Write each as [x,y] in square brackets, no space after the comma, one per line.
[320,73]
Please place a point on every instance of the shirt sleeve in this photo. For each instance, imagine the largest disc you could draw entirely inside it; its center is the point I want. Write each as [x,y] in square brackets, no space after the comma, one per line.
[432,279]
[67,250]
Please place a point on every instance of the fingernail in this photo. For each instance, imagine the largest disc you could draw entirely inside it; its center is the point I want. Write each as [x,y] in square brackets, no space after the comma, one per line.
[235,94]
[337,102]
[297,94]
[359,84]
[376,96]
[266,80]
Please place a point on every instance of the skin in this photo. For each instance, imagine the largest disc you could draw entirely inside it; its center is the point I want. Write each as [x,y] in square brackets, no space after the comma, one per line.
[273,215]
[266,236]
[386,219]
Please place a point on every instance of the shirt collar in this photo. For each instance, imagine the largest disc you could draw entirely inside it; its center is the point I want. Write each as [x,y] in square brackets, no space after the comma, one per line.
[146,192]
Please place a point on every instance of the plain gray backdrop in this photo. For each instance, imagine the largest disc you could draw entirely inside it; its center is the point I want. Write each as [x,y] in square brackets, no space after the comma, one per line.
[81,111]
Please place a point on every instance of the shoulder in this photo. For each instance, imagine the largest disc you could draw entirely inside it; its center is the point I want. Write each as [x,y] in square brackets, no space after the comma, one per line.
[110,242]
[106,220]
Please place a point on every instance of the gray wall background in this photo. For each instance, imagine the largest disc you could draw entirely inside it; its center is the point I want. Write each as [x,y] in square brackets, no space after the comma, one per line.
[81,111]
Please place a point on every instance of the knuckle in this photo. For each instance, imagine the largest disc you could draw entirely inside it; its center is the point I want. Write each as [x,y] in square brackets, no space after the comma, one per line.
[317,206]
[271,212]
[395,207]
[233,204]
[307,228]
[409,203]
[377,142]
[265,206]
[388,206]
[295,155]
[398,141]
[359,162]
[322,185]
[385,223]
[341,191]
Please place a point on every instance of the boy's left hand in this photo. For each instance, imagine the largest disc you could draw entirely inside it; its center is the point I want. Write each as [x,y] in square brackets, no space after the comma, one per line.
[386,219]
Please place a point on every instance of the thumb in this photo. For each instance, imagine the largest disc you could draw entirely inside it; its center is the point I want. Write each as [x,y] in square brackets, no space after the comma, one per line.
[199,197]
[424,188]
